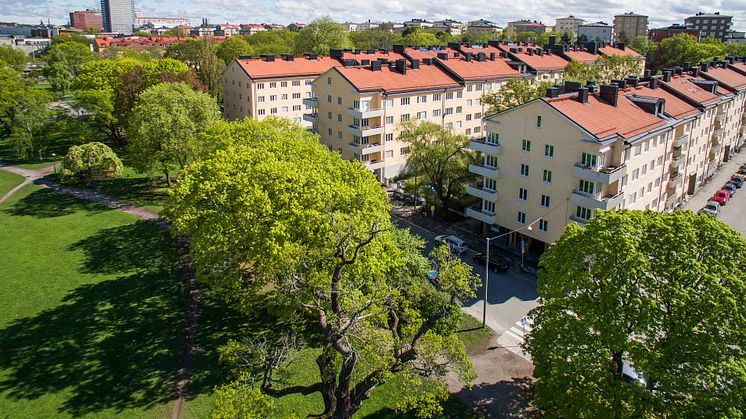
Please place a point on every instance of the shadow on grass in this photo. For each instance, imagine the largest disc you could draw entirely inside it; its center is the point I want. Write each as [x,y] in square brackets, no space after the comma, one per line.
[111,345]
[505,399]
[452,408]
[137,191]
[45,203]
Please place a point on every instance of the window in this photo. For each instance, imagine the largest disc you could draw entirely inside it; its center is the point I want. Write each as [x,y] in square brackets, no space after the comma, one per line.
[329,98]
[309,82]
[652,164]
[584,213]
[459,95]
[477,130]
[469,102]
[296,95]
[449,111]
[458,124]
[543,224]
[458,109]
[524,169]
[547,176]
[589,160]
[548,150]
[449,95]
[405,117]
[296,108]
[330,132]
[339,100]
[522,194]
[339,134]
[329,116]
[436,97]
[273,98]
[296,82]
[650,187]
[490,161]
[490,184]
[284,109]
[260,99]
[422,99]
[469,88]
[642,192]
[405,101]
[284,96]
[538,121]
[468,117]
[468,131]
[389,154]
[273,111]
[389,103]
[587,186]
[261,112]
[328,80]
[526,145]
[488,206]
[339,117]
[389,119]
[389,137]
[635,174]
[404,151]
[521,217]
[638,149]
[478,115]
[284,84]
[545,201]
[492,138]
[260,85]
[478,88]
[421,115]
[644,169]
[647,145]
[436,112]
[273,85]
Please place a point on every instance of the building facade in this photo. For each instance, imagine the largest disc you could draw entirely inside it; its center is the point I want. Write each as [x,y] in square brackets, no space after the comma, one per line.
[710,24]
[594,32]
[481,25]
[526,26]
[637,144]
[160,22]
[659,34]
[85,20]
[118,16]
[630,26]
[568,24]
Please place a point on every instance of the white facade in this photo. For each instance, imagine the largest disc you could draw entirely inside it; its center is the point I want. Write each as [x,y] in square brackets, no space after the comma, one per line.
[598,31]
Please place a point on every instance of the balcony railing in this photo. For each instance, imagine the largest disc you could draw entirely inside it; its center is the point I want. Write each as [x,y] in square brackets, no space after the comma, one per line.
[478,213]
[365,131]
[479,144]
[311,101]
[364,149]
[681,141]
[373,164]
[598,201]
[481,192]
[486,171]
[365,113]
[581,221]
[311,117]
[604,174]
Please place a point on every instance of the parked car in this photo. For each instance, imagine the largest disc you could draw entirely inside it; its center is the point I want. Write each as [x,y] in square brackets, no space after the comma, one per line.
[712,208]
[741,171]
[455,244]
[721,197]
[398,194]
[497,262]
[730,187]
[738,181]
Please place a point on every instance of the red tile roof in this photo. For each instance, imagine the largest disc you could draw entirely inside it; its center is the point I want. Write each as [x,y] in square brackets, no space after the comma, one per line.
[258,68]
[471,70]
[682,85]
[613,51]
[602,119]
[422,53]
[739,65]
[542,63]
[582,56]
[393,56]
[387,80]
[487,50]
[727,76]
[677,108]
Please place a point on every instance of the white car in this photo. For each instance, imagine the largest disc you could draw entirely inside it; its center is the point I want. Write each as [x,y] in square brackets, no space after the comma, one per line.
[455,244]
[711,208]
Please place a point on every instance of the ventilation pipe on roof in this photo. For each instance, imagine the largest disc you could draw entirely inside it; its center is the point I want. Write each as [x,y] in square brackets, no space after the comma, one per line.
[427,61]
[398,48]
[375,66]
[667,76]
[705,67]
[492,56]
[401,66]
[467,55]
[633,81]
[365,62]
[552,39]
[370,51]
[648,74]
[443,55]
[383,51]
[653,83]
[336,53]
[591,85]
[694,72]
[553,92]
[583,95]
[481,57]
[610,94]
[572,86]
[621,83]
[503,54]
[415,64]
[244,57]
[530,52]
[288,57]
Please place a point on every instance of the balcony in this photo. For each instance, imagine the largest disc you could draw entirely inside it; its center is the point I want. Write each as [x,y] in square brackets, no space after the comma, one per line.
[478,213]
[674,179]
[596,201]
[486,171]
[364,113]
[681,141]
[605,174]
[484,147]
[578,220]
[718,124]
[676,159]
[311,101]
[373,164]
[311,117]
[364,149]
[480,192]
[365,131]
[716,136]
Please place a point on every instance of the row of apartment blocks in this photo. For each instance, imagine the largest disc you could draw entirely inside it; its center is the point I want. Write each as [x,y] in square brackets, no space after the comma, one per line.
[640,143]
[356,100]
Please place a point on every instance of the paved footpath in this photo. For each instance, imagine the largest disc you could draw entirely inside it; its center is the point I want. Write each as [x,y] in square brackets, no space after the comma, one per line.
[719,178]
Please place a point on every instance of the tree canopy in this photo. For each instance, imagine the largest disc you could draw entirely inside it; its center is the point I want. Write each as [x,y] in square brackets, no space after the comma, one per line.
[320,36]
[164,124]
[684,47]
[63,63]
[421,37]
[201,56]
[90,162]
[13,57]
[513,93]
[273,42]
[661,293]
[232,48]
[292,219]
[374,39]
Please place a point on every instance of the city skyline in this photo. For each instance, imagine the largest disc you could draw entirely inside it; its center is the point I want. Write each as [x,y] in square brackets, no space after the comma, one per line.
[288,11]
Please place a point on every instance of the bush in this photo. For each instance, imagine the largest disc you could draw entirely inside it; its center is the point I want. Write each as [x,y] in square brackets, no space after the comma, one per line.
[91,161]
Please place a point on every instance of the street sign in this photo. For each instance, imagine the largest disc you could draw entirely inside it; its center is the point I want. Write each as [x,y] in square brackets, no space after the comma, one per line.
[523,246]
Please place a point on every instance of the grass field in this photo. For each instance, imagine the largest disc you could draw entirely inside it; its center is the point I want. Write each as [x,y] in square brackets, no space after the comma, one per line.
[9,181]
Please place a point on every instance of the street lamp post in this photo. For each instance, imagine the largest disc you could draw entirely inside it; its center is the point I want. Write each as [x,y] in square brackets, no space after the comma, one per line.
[487,268]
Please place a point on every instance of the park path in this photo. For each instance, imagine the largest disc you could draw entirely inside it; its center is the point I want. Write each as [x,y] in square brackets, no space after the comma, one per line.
[38,176]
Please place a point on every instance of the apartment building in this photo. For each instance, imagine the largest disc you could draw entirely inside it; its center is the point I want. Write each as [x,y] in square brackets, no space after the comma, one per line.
[526,25]
[710,24]
[638,144]
[594,32]
[630,25]
[88,19]
[568,24]
[269,86]
[482,25]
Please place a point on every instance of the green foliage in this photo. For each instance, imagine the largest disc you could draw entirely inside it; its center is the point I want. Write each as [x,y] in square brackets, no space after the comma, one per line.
[273,42]
[310,233]
[320,36]
[604,69]
[683,47]
[240,399]
[201,56]
[64,62]
[164,124]
[13,88]
[642,44]
[440,157]
[567,38]
[421,37]
[232,48]
[13,57]
[513,93]
[530,37]
[479,37]
[90,162]
[73,37]
[32,117]
[374,39]
[662,292]
[543,39]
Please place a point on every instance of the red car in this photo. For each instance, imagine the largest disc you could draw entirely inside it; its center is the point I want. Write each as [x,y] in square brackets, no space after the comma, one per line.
[721,197]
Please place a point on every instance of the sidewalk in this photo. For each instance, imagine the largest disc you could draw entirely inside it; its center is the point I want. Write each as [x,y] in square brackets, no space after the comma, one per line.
[719,178]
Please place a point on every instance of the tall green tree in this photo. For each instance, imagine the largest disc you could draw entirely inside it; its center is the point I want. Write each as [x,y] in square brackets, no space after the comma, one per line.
[515,92]
[421,37]
[28,132]
[163,127]
[642,44]
[581,72]
[662,293]
[13,87]
[682,48]
[273,42]
[312,233]
[320,36]
[567,38]
[201,56]
[63,62]
[441,157]
[374,39]
[15,58]
[529,37]
[232,48]
[90,161]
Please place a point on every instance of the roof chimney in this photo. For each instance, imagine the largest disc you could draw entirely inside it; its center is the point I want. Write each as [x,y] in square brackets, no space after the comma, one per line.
[633,81]
[427,61]
[467,55]
[610,94]
[415,64]
[583,95]
[695,71]
[503,54]
[553,92]
[288,57]
[653,83]
[530,51]
[336,53]
[648,74]
[572,86]
[621,83]
[398,48]
[552,39]
[443,55]
[401,66]
[667,76]
[365,62]
[492,56]
[591,85]
[370,51]
[705,67]
[481,57]
[375,66]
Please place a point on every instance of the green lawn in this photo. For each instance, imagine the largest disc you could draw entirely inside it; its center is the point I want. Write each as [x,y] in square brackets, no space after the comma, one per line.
[9,181]
[91,311]
[136,189]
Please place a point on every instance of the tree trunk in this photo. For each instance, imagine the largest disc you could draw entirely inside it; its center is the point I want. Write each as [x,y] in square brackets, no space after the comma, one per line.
[344,409]
[168,178]
[326,362]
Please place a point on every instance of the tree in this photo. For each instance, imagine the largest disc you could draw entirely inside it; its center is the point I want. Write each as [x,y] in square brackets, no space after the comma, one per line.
[440,156]
[515,92]
[479,37]
[543,39]
[63,63]
[310,233]
[583,39]
[420,37]
[662,293]
[28,132]
[375,39]
[13,88]
[163,126]
[529,37]
[320,36]
[72,37]
[683,47]
[201,56]
[232,48]
[567,38]
[622,37]
[620,67]
[15,58]
[642,45]
[581,72]
[90,162]
[273,42]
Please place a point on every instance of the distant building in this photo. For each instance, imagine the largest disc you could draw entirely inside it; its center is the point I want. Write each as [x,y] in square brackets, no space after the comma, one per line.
[203,30]
[451,26]
[710,24]
[274,27]
[419,23]
[28,31]
[736,37]
[355,27]
[527,26]
[160,22]
[118,16]
[659,34]
[630,25]
[296,27]
[594,32]
[87,19]
[568,24]
[481,25]
[251,28]
[227,30]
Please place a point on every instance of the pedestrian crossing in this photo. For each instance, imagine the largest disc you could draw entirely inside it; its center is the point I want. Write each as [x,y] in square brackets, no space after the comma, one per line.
[520,329]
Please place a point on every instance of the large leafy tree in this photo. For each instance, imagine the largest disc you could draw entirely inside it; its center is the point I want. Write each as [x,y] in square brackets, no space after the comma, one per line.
[32,118]
[515,92]
[232,48]
[374,39]
[581,72]
[90,161]
[662,293]
[682,48]
[320,36]
[441,157]
[63,62]
[421,37]
[292,220]
[164,124]
[13,88]
[201,56]
[273,42]
[13,57]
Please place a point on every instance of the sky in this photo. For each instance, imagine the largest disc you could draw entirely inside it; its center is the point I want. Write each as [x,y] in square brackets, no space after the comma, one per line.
[660,12]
